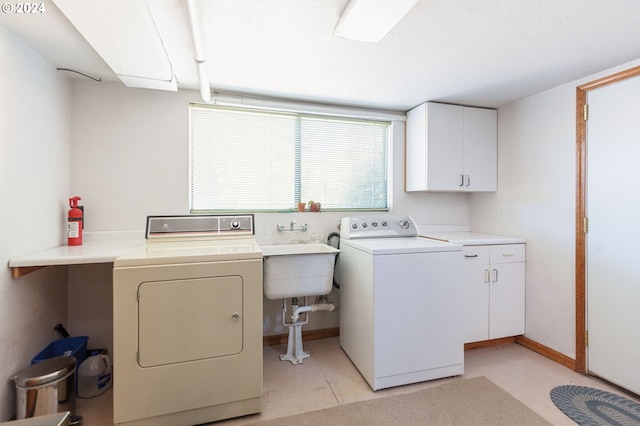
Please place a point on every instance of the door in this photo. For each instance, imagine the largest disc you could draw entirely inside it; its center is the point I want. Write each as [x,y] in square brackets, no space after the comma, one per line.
[189,319]
[612,207]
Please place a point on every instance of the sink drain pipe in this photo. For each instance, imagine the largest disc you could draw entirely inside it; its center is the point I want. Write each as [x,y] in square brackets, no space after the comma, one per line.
[295,354]
[312,308]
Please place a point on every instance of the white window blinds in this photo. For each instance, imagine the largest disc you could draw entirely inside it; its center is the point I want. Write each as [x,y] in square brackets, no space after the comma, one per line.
[259,160]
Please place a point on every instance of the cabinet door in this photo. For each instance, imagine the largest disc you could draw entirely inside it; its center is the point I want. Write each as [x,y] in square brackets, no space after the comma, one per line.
[507,300]
[434,148]
[507,290]
[444,147]
[476,277]
[480,149]
[476,303]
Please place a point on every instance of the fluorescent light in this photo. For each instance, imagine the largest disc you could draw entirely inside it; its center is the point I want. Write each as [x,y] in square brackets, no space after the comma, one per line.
[371,20]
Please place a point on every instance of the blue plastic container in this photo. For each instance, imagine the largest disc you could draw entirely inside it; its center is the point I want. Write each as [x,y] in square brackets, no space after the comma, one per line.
[72,346]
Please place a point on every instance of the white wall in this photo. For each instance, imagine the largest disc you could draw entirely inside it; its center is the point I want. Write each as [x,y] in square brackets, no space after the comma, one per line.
[130,157]
[34,192]
[536,200]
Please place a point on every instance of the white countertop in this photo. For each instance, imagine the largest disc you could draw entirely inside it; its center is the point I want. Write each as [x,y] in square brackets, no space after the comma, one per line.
[97,247]
[468,238]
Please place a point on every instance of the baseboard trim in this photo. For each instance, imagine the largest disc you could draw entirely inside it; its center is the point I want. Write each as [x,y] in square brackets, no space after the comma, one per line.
[488,343]
[279,339]
[552,354]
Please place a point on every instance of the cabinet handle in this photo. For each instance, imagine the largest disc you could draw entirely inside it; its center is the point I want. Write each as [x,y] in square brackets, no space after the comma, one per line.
[507,254]
[495,275]
[235,317]
[461,180]
[470,255]
[486,275]
[468,180]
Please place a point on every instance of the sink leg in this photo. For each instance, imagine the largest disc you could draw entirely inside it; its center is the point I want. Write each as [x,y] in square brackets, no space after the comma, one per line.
[295,354]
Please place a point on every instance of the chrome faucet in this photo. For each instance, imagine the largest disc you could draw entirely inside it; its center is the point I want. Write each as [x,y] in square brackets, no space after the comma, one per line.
[292,227]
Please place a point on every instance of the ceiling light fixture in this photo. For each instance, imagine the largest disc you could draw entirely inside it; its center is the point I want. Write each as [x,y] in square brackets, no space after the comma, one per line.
[371,20]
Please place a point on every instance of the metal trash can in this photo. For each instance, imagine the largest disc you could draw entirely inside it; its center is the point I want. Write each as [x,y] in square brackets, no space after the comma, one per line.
[47,387]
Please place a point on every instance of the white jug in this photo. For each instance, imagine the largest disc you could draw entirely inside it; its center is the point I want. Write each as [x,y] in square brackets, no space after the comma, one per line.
[94,376]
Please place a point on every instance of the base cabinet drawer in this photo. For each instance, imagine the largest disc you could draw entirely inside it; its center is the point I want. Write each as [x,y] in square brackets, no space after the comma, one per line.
[506,253]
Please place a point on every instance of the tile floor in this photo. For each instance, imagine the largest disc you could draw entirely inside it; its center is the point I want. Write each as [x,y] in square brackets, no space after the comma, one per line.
[329,378]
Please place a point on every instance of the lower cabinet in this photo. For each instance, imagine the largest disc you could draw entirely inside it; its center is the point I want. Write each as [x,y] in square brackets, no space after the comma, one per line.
[494,291]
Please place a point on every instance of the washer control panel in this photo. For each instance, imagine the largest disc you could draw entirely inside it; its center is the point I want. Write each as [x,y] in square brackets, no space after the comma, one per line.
[377,226]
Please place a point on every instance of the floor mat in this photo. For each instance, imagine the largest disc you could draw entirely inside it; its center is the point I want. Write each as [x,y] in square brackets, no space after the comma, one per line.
[594,407]
[463,402]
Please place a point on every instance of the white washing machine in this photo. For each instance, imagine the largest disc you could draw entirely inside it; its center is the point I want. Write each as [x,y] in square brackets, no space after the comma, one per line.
[188,323]
[400,302]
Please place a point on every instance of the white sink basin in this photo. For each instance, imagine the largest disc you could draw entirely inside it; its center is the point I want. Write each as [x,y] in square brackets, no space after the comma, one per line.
[298,270]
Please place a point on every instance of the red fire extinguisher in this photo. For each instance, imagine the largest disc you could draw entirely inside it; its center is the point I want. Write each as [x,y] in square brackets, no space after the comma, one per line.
[74,221]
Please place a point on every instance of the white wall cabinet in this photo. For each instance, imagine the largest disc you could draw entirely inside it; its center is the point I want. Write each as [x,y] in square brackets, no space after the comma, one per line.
[451,148]
[494,291]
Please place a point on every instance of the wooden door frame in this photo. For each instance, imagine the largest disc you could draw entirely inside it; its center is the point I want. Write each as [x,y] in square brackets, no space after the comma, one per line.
[581,211]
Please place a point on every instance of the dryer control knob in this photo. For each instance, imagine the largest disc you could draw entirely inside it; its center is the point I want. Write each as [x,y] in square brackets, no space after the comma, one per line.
[404,224]
[235,224]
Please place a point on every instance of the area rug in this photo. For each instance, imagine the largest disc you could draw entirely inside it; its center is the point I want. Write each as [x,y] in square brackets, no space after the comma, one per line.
[476,401]
[594,407]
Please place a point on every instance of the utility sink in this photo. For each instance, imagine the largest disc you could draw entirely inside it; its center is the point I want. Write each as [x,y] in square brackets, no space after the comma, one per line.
[298,270]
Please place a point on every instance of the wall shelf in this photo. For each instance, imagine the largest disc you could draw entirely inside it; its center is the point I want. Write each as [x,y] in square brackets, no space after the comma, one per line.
[98,247]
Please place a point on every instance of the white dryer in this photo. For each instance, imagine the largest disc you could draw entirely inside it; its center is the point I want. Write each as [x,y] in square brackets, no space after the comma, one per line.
[400,302]
[188,323]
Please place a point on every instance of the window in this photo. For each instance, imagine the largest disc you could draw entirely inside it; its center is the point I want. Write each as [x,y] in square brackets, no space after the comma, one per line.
[260,160]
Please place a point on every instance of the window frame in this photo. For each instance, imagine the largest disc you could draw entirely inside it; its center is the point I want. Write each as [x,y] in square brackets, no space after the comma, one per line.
[301,113]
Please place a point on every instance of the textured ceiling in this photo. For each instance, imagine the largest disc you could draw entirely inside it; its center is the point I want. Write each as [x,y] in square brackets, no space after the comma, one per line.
[474,52]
